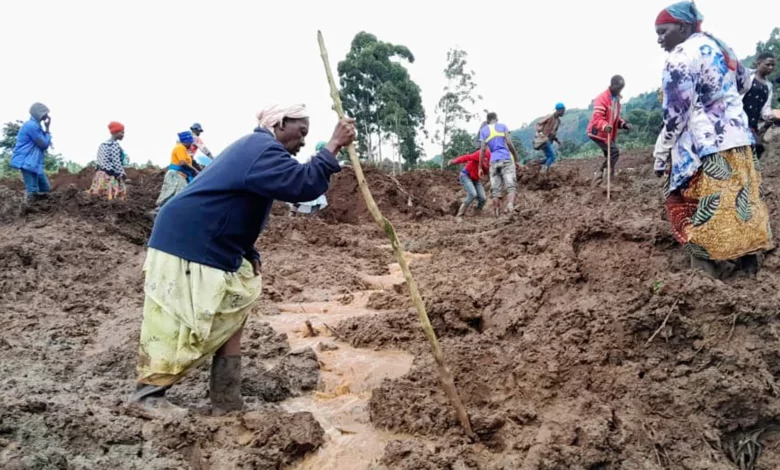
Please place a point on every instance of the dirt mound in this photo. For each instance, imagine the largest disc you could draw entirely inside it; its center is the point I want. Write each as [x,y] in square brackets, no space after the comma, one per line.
[416,195]
[577,334]
[598,348]
[70,201]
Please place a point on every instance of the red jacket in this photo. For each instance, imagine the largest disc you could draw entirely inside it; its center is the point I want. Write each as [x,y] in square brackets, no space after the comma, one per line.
[472,164]
[603,106]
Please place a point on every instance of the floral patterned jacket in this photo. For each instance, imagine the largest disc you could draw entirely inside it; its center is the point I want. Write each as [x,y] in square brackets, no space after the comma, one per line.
[703,112]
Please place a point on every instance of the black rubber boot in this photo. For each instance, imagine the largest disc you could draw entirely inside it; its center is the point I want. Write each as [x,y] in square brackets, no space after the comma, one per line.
[749,265]
[225,386]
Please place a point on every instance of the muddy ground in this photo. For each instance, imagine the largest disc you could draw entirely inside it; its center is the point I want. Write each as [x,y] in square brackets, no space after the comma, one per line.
[578,337]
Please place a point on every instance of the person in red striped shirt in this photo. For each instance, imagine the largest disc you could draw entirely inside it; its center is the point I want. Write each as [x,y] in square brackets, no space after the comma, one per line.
[469,178]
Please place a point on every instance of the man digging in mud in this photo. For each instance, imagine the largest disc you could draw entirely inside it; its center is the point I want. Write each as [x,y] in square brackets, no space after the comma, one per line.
[495,136]
[202,269]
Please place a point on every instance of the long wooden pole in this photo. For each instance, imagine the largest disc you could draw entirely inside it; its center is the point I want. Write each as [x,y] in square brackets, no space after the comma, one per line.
[445,374]
[609,165]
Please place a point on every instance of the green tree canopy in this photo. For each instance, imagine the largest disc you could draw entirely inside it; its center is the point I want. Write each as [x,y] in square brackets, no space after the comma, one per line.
[379,93]
[458,96]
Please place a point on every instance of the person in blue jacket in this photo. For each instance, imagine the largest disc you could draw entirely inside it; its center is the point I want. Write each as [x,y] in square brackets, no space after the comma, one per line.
[202,267]
[32,141]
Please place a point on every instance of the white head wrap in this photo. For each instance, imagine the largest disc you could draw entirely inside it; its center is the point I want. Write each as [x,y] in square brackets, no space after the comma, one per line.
[269,117]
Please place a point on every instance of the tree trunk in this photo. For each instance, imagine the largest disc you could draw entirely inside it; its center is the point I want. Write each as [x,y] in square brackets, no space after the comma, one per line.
[379,145]
[371,156]
[393,154]
[444,140]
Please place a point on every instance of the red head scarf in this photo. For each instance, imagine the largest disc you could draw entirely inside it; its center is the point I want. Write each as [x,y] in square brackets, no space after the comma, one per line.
[687,13]
[115,127]
[681,13]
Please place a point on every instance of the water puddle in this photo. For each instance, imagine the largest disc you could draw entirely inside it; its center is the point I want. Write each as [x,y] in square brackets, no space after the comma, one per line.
[347,377]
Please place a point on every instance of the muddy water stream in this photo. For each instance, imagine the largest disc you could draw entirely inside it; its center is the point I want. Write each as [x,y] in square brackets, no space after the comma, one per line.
[347,376]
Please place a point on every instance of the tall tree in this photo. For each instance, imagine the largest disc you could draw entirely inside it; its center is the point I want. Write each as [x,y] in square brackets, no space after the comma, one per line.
[454,105]
[377,91]
[460,143]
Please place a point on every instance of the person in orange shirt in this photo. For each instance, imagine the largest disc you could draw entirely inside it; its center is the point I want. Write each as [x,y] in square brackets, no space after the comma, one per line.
[180,171]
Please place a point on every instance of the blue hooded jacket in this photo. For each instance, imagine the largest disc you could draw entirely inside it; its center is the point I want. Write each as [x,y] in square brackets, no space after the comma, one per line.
[31,142]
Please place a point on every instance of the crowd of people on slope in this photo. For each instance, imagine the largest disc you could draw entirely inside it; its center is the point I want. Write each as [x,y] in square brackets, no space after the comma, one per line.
[716,113]
[189,157]
[201,282]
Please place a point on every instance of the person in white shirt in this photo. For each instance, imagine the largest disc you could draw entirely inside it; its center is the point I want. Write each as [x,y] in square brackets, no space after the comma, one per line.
[310,207]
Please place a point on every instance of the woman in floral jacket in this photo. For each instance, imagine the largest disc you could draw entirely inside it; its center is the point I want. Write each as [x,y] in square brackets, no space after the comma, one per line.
[713,188]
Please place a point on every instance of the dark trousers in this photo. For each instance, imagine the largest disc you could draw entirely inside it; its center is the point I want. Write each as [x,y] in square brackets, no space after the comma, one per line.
[35,183]
[614,149]
[758,150]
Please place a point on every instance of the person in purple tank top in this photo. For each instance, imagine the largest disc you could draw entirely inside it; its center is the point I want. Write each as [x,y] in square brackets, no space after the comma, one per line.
[503,175]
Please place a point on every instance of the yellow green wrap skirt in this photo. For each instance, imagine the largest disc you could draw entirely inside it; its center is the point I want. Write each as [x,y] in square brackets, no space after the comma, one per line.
[190,311]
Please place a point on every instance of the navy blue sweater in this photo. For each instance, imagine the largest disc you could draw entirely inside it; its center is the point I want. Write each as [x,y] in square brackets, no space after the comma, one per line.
[216,220]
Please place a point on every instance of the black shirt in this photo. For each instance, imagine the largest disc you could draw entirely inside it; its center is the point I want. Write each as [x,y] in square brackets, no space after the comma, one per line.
[754,102]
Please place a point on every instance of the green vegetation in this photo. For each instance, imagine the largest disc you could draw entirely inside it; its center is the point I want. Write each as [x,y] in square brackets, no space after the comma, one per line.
[377,91]
[771,45]
[452,107]
[643,112]
[52,162]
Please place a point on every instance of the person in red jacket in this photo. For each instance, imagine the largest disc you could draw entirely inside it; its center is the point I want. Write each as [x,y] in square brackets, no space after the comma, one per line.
[469,178]
[605,122]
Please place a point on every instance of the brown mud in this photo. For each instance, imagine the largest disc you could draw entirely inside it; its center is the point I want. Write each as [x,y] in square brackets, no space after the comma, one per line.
[577,334]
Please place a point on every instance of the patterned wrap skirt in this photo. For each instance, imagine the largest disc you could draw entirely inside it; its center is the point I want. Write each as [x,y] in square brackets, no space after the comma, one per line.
[190,311]
[720,214]
[108,186]
[173,183]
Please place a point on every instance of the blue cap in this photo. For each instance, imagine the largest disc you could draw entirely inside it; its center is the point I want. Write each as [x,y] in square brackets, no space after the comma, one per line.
[196,127]
[560,106]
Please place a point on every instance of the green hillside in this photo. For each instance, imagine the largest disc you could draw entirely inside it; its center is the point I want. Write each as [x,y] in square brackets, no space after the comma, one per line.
[643,112]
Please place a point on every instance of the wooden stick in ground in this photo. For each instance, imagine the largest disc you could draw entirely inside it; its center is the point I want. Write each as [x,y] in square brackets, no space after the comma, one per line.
[444,372]
[609,165]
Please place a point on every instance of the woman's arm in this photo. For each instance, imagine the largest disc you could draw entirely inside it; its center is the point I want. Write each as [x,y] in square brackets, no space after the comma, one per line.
[276,175]
[183,158]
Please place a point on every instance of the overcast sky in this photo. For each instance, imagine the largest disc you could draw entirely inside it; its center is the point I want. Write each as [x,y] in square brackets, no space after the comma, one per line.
[158,66]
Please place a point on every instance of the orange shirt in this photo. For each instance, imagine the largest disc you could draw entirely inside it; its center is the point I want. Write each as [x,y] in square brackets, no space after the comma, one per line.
[180,156]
